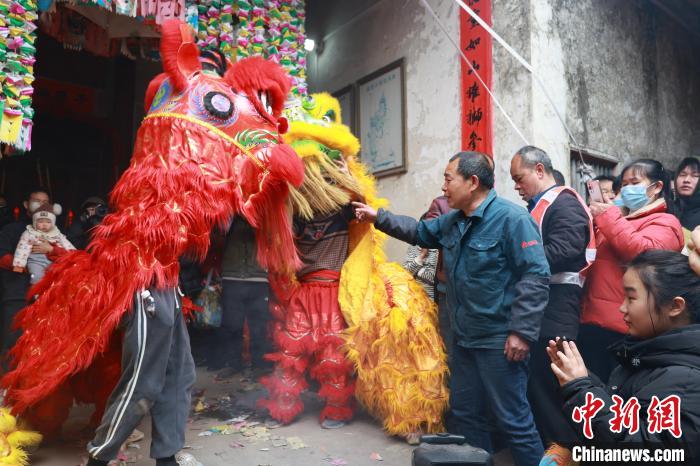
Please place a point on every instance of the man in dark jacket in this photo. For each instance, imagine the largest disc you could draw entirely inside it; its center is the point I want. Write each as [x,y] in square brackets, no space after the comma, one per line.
[244,297]
[566,228]
[15,285]
[497,286]
[92,212]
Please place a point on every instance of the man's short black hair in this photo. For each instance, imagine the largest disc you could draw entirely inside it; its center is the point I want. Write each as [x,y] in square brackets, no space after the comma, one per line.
[604,178]
[38,189]
[559,178]
[474,164]
[617,184]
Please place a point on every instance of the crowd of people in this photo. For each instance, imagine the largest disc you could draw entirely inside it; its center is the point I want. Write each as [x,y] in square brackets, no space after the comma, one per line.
[569,297]
[603,278]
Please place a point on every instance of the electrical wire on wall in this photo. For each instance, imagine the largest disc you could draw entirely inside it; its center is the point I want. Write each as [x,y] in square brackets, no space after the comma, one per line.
[586,171]
[478,77]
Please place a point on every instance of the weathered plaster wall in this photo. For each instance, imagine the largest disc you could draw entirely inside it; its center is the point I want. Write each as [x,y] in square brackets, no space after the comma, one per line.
[512,85]
[623,75]
[383,33]
[633,79]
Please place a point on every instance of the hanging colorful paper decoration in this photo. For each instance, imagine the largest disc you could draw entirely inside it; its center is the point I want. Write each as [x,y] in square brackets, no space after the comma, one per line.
[272,29]
[17,36]
[148,11]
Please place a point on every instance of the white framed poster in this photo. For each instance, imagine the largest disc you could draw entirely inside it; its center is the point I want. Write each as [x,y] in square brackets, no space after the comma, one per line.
[346,99]
[381,126]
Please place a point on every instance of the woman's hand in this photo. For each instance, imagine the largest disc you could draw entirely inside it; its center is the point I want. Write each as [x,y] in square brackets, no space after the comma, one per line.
[567,365]
[599,208]
[42,247]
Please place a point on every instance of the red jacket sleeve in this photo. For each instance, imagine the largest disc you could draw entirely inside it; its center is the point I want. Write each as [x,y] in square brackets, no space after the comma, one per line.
[6,261]
[55,253]
[662,232]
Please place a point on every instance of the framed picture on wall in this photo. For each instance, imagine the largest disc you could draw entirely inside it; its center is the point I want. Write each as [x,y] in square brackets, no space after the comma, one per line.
[346,98]
[381,125]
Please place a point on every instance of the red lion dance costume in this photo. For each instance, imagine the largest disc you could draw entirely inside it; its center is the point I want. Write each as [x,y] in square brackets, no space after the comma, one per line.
[207,149]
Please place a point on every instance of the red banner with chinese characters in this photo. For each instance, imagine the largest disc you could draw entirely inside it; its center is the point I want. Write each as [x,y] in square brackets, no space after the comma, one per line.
[477,112]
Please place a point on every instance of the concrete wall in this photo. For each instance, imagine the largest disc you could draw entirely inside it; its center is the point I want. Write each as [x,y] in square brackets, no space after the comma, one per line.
[381,34]
[623,75]
[633,79]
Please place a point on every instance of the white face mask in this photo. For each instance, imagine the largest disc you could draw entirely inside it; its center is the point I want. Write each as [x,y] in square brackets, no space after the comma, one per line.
[33,206]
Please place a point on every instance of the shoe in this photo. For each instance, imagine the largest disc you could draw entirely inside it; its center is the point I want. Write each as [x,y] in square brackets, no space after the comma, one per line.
[169,461]
[227,373]
[214,367]
[95,462]
[135,436]
[186,459]
[555,455]
[332,424]
[413,438]
[260,370]
[271,423]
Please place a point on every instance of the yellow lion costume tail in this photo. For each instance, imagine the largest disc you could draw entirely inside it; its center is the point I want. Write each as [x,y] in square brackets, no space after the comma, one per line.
[13,440]
[392,337]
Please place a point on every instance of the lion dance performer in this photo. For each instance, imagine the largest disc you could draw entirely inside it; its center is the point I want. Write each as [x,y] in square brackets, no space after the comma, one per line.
[349,306]
[208,148]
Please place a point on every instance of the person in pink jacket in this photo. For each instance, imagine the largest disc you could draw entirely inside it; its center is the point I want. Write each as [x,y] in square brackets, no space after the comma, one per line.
[637,222]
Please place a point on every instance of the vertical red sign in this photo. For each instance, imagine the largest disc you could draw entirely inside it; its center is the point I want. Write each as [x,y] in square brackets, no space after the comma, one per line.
[477,114]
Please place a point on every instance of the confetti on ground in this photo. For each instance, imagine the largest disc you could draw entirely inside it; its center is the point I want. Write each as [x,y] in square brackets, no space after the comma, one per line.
[339,462]
[206,433]
[264,449]
[236,445]
[200,406]
[223,429]
[237,419]
[376,456]
[296,443]
[278,441]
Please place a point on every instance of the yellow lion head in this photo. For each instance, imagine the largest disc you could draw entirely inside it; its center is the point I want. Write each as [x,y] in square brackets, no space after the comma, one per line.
[327,148]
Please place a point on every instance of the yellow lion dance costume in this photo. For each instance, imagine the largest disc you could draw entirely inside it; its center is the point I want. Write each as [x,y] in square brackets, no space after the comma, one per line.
[12,441]
[392,337]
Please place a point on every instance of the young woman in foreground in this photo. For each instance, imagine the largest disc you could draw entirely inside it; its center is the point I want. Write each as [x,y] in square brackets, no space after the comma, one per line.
[660,356]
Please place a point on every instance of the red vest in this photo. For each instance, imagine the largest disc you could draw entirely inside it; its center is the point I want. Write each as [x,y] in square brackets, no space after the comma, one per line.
[576,278]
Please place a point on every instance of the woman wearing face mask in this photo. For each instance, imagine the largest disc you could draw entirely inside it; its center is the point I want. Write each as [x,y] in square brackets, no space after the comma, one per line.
[622,233]
[660,357]
[688,194]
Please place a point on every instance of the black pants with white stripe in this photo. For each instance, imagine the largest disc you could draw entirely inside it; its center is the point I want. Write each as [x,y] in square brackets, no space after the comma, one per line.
[157,377]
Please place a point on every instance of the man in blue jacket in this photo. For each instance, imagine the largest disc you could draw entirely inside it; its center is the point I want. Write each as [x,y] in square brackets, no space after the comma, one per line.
[497,287]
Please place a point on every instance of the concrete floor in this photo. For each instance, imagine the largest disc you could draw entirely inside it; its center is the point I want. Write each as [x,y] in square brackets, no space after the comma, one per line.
[360,443]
